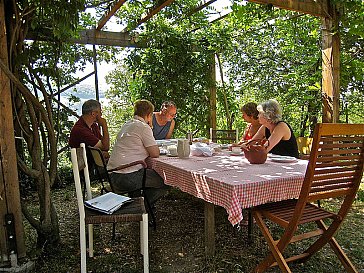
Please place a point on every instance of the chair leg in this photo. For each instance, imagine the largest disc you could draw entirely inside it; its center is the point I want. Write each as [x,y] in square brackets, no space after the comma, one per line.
[83,246]
[91,240]
[149,209]
[113,230]
[144,242]
[349,267]
[250,227]
[275,254]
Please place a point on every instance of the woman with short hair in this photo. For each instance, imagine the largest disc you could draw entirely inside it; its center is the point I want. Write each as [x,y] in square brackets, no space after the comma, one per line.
[279,133]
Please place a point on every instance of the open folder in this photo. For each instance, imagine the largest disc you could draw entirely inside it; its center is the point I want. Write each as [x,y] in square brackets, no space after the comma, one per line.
[107,203]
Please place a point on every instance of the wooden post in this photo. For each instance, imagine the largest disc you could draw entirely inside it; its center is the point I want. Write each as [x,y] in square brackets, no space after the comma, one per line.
[96,76]
[9,184]
[213,93]
[331,66]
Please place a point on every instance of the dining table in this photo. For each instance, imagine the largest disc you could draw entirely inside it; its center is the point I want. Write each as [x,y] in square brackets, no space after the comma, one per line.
[228,180]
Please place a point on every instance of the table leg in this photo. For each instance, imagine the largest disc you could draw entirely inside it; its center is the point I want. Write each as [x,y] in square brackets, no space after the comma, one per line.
[209,229]
[250,226]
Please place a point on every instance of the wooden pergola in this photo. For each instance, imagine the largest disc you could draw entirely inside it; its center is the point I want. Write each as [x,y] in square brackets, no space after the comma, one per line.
[11,227]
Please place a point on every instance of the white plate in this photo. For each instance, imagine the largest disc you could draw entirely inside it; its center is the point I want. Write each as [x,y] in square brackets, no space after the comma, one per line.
[284,159]
[278,156]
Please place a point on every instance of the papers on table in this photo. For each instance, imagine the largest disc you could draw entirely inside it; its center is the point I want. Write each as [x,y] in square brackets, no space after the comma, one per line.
[107,203]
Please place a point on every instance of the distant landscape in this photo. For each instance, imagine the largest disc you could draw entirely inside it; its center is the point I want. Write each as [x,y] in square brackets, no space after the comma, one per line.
[85,92]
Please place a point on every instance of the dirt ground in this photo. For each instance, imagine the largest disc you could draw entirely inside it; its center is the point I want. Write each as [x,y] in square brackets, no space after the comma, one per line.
[176,246]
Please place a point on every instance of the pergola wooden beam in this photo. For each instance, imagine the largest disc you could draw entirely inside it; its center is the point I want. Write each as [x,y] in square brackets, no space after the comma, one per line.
[151,14]
[314,7]
[110,13]
[109,38]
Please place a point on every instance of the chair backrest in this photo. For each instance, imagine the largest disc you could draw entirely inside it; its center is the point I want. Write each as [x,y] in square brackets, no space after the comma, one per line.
[79,164]
[97,157]
[217,135]
[100,164]
[335,165]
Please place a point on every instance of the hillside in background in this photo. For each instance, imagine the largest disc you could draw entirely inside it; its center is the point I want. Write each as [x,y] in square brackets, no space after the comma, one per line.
[83,92]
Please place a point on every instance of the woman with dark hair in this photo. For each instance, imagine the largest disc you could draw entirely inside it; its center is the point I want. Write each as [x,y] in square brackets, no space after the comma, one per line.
[250,115]
[279,133]
[163,121]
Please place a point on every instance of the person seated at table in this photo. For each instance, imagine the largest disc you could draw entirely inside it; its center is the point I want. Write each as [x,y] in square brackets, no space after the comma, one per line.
[250,115]
[135,142]
[87,129]
[279,133]
[163,121]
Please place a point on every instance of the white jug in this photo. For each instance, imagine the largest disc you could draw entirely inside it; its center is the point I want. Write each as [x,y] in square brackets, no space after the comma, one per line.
[183,148]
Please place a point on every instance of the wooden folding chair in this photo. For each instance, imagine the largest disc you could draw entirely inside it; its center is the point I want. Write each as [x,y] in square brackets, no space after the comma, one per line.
[103,174]
[130,212]
[335,169]
[220,135]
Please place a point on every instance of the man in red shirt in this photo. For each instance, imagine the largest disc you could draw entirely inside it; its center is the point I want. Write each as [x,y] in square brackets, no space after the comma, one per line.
[87,128]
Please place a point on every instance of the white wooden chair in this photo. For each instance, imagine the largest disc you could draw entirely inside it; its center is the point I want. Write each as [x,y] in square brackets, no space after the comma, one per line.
[130,212]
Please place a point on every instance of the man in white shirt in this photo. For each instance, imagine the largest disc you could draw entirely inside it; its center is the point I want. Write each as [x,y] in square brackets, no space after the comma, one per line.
[135,142]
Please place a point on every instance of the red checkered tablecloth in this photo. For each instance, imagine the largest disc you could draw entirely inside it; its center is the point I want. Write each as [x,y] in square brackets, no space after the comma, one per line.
[231,181]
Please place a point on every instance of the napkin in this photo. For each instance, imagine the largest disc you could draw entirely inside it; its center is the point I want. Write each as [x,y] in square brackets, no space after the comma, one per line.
[201,149]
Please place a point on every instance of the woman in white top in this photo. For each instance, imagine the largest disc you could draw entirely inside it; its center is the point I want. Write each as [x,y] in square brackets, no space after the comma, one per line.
[135,142]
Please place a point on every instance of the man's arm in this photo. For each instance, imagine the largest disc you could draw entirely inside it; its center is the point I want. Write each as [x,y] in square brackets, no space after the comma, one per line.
[170,132]
[104,143]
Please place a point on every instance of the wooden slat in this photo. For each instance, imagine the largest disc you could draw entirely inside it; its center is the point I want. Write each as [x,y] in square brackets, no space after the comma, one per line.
[293,258]
[333,187]
[313,7]
[340,145]
[334,164]
[336,169]
[334,176]
[307,235]
[324,185]
[338,158]
[331,194]
[343,129]
[339,152]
